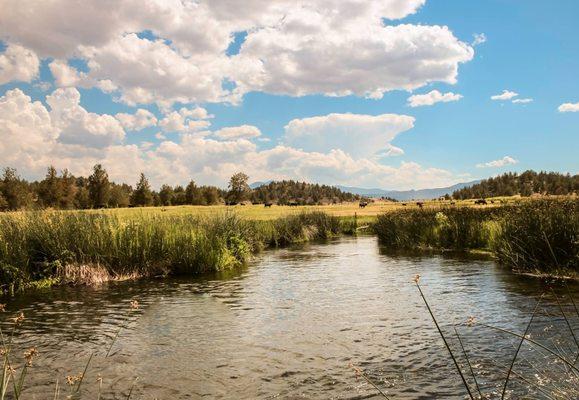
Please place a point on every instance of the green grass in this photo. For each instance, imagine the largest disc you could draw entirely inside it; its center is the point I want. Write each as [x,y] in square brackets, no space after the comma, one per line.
[45,247]
[539,236]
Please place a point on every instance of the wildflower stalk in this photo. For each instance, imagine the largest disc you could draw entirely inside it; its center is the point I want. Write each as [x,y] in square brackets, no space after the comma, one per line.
[519,347]
[563,359]
[367,379]
[416,279]
[468,362]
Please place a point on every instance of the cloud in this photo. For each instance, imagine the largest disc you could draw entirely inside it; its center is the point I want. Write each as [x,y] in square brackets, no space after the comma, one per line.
[506,160]
[522,101]
[366,60]
[18,63]
[505,95]
[289,47]
[393,151]
[357,134]
[569,107]
[78,126]
[68,136]
[479,38]
[238,132]
[431,98]
[186,120]
[141,119]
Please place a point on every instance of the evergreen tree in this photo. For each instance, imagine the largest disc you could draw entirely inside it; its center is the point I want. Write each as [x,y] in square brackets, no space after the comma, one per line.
[50,189]
[99,187]
[15,191]
[166,195]
[142,196]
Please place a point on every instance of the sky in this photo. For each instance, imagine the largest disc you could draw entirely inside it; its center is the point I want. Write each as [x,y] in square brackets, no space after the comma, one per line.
[393,94]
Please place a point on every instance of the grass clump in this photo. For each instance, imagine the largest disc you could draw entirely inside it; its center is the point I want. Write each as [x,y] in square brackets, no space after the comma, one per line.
[531,236]
[77,247]
[461,228]
[542,235]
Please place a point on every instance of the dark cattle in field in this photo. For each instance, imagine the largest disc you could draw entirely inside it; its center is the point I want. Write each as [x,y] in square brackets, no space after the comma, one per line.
[231,203]
[403,204]
[452,203]
[362,204]
[481,202]
[420,204]
[268,205]
[293,204]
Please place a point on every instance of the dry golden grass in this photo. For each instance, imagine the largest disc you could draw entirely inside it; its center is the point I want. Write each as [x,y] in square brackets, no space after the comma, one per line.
[259,212]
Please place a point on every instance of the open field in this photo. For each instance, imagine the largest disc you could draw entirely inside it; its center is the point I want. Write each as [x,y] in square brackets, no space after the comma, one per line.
[259,212]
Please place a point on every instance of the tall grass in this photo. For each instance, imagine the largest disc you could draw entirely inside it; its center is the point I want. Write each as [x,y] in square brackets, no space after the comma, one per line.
[540,236]
[532,236]
[87,247]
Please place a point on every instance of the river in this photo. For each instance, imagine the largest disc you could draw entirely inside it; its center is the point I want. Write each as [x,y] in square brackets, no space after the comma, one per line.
[294,323]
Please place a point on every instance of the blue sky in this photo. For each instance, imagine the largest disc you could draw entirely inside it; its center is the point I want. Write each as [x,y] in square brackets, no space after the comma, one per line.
[530,48]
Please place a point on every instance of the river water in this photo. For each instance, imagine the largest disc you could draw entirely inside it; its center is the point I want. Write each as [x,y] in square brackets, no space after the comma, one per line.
[295,323]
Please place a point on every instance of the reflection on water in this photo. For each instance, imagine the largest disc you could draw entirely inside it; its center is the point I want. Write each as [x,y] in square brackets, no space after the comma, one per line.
[289,326]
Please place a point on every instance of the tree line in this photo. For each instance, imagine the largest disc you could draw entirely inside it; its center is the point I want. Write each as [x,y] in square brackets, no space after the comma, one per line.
[524,184]
[66,191]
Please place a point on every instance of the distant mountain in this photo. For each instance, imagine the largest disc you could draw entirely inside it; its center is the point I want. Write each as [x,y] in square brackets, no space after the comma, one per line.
[403,195]
[255,185]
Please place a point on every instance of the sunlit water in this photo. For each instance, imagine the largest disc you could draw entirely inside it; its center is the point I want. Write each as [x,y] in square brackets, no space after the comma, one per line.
[292,324]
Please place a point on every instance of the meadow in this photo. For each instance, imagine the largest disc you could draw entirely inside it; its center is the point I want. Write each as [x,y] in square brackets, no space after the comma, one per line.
[42,248]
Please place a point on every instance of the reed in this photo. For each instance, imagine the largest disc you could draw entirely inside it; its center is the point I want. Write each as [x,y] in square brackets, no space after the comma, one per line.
[76,247]
[539,236]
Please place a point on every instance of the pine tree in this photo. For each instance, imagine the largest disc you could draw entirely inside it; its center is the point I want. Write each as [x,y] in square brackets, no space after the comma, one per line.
[99,187]
[142,196]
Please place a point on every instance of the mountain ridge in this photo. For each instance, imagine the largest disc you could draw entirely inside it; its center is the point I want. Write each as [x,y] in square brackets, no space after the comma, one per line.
[401,195]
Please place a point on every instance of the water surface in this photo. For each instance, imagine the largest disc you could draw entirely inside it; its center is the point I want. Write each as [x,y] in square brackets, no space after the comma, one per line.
[292,324]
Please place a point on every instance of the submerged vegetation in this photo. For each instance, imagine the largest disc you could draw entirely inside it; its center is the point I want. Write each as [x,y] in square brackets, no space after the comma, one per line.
[532,236]
[48,247]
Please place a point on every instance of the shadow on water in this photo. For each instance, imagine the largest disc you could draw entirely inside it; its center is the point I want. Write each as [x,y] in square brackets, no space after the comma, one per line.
[288,325]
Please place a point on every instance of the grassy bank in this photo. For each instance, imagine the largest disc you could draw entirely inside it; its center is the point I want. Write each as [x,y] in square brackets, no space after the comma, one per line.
[43,248]
[539,236]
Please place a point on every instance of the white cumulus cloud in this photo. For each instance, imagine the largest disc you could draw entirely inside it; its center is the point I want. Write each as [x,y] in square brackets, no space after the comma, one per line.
[238,132]
[506,160]
[329,47]
[505,95]
[141,119]
[569,107]
[18,63]
[431,98]
[357,134]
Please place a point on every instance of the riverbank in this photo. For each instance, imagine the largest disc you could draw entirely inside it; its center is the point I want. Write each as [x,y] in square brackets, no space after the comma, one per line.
[538,237]
[45,248]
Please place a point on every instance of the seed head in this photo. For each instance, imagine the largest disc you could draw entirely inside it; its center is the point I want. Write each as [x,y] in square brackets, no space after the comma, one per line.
[18,319]
[416,278]
[29,355]
[471,321]
[134,304]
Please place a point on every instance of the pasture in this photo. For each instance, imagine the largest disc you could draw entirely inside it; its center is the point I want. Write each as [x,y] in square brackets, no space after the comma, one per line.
[260,213]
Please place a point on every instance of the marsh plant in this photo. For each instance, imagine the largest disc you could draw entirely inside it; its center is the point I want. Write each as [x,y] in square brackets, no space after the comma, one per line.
[41,248]
[531,236]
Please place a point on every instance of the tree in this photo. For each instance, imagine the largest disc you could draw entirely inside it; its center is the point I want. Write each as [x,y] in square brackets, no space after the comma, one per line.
[50,189]
[15,191]
[120,195]
[193,194]
[68,190]
[142,196]
[238,188]
[166,195]
[3,203]
[99,187]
